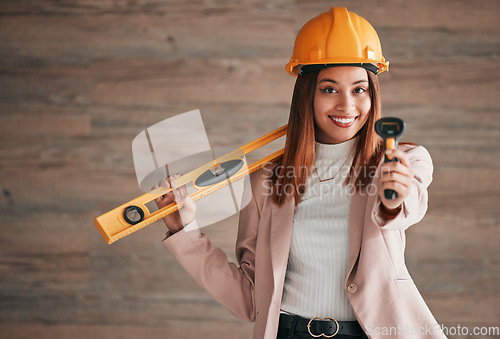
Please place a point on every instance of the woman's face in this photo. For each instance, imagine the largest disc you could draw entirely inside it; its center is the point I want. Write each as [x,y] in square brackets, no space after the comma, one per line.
[341,103]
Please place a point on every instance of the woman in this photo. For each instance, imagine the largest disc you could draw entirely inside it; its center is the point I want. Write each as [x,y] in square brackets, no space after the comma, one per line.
[320,249]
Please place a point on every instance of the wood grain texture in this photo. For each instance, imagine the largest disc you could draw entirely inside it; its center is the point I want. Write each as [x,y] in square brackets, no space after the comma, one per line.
[80,79]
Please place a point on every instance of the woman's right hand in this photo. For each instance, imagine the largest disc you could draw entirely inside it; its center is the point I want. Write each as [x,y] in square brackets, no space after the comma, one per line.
[177,220]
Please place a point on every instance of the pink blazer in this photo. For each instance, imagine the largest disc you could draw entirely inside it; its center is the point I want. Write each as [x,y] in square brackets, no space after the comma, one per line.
[383,296]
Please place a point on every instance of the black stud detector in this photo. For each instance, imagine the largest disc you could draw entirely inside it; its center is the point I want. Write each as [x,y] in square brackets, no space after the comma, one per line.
[390,130]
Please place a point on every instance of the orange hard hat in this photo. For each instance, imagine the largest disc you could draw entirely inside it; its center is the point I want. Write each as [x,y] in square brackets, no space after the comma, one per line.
[337,37]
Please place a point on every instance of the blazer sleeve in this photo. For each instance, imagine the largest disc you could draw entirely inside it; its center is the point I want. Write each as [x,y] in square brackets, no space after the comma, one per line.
[229,284]
[415,205]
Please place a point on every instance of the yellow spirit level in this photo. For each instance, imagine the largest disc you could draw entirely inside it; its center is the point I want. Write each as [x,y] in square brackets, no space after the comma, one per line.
[206,179]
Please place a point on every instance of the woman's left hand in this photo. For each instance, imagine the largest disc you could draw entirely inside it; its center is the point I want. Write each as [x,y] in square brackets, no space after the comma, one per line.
[397,176]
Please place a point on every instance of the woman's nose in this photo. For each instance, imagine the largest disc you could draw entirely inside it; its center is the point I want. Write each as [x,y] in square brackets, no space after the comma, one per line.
[345,104]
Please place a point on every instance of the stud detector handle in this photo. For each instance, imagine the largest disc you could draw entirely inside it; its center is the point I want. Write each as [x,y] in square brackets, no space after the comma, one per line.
[390,130]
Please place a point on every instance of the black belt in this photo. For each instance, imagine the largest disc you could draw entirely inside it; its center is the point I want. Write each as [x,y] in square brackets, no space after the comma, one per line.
[317,327]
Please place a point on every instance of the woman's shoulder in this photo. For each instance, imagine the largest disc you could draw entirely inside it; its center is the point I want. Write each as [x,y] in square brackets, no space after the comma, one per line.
[262,177]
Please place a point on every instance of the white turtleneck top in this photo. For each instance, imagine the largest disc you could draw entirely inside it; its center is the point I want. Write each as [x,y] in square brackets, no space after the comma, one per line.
[317,263]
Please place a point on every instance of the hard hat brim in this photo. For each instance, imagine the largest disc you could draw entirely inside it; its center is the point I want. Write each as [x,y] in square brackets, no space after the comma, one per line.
[317,67]
[295,69]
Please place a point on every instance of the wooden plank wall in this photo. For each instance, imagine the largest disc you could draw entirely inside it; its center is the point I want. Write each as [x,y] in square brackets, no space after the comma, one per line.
[79,79]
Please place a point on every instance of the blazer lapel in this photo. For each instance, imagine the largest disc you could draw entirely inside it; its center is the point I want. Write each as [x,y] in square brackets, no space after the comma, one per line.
[280,238]
[356,221]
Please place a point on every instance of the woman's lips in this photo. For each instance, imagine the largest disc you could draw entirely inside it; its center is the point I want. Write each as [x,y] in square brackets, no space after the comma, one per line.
[343,122]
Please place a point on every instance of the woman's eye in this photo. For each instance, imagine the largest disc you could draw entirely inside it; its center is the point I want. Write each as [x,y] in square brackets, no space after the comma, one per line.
[359,90]
[328,90]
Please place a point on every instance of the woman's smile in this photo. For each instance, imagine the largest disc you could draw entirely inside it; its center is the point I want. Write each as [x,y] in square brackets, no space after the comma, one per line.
[343,121]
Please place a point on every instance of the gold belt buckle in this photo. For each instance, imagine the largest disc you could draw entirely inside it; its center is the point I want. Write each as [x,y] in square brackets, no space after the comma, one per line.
[322,334]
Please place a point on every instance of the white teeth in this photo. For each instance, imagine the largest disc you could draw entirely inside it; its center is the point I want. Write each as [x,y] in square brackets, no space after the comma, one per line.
[343,121]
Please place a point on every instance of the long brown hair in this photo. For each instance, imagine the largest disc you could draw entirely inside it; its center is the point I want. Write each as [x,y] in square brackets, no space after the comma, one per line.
[289,175]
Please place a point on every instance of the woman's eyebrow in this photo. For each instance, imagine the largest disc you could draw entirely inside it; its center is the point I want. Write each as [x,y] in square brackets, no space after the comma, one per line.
[335,82]
[360,81]
[328,80]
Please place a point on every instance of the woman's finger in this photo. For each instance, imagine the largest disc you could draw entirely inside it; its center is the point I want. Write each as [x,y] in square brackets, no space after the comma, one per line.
[400,188]
[400,155]
[164,183]
[179,192]
[397,177]
[391,168]
[183,190]
[396,166]
[171,182]
[180,195]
